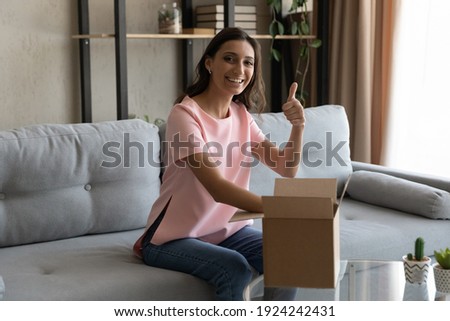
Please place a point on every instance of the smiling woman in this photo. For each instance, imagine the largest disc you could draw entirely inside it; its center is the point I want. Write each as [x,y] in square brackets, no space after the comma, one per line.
[211,116]
[231,69]
[419,131]
[237,50]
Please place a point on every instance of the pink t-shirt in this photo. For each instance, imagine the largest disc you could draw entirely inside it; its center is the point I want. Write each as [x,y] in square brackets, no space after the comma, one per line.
[192,212]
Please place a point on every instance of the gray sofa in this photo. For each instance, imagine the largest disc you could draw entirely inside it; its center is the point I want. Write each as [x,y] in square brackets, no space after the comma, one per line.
[74,198]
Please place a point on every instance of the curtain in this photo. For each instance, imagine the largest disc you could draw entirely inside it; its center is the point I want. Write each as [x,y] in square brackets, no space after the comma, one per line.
[418,132]
[361,40]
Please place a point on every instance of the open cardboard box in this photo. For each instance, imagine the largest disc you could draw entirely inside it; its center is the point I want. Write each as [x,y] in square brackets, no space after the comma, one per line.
[300,233]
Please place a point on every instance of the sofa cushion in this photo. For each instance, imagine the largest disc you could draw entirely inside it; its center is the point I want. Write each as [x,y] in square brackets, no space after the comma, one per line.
[93,268]
[60,181]
[326,150]
[371,232]
[400,194]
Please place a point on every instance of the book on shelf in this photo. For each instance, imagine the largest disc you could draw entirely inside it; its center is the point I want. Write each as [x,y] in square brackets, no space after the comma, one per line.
[199,31]
[221,17]
[250,32]
[220,24]
[219,8]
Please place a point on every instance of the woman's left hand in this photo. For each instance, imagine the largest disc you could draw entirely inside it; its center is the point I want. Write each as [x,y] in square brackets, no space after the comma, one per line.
[293,109]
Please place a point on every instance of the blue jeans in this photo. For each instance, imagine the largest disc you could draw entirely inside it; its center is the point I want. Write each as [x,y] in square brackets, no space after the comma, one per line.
[227,266]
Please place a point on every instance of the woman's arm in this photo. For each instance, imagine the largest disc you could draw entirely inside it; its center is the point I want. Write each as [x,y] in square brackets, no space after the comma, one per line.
[286,161]
[222,190]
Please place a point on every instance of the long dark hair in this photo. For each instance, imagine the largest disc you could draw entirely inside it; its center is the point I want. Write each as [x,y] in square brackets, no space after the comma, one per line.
[253,95]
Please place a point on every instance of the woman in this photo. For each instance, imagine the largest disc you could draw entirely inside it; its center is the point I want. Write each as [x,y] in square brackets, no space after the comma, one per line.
[211,141]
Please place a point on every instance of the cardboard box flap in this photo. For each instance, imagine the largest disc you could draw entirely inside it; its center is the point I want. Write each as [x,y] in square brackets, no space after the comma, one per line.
[306,187]
[298,207]
[243,215]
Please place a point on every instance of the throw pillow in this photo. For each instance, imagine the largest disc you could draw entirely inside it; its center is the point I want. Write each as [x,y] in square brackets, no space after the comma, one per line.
[399,194]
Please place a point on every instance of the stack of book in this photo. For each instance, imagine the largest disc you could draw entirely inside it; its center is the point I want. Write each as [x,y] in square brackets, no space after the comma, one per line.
[212,17]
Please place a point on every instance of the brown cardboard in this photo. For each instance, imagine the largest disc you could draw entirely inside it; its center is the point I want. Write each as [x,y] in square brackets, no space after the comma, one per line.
[242,215]
[301,234]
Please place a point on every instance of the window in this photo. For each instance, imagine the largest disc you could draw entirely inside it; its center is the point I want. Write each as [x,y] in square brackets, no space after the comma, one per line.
[418,136]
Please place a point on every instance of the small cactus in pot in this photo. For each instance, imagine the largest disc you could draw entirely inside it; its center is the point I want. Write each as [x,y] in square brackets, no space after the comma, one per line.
[419,250]
[416,266]
[441,270]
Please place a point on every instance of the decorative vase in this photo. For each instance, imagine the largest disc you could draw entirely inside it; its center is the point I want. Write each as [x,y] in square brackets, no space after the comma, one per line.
[170,19]
[441,278]
[416,272]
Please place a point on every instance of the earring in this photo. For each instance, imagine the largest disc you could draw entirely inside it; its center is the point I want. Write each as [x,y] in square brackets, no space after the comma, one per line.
[209,70]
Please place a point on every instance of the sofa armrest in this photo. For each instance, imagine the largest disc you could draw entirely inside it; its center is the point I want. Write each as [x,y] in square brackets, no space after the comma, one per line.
[430,180]
[2,288]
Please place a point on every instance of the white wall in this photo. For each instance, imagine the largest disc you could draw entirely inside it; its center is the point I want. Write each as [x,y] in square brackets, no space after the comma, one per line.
[39,62]
[154,70]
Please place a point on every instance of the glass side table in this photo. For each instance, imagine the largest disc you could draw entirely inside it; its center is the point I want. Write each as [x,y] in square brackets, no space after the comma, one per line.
[364,280]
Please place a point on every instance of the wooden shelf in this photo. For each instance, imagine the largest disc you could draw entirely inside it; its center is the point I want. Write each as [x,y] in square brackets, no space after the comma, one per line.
[93,36]
[120,37]
[182,36]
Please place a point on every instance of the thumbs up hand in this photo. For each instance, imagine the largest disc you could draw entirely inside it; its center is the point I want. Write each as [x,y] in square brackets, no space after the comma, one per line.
[292,108]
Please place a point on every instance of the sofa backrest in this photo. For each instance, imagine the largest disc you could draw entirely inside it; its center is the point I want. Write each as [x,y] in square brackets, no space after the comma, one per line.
[61,181]
[326,149]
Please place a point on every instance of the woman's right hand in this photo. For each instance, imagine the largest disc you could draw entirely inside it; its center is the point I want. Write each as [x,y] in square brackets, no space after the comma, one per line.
[293,109]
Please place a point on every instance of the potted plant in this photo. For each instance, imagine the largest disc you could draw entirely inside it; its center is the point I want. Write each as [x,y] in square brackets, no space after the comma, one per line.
[441,270]
[416,266]
[301,27]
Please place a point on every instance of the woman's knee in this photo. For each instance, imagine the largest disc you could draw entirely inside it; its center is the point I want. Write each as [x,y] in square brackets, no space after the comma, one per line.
[238,266]
[235,274]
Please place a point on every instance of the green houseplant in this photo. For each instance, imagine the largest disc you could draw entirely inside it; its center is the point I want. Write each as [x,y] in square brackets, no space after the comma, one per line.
[419,250]
[441,270]
[416,266]
[300,26]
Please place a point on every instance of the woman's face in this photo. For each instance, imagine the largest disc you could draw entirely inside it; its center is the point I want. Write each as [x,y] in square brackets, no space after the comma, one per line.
[232,66]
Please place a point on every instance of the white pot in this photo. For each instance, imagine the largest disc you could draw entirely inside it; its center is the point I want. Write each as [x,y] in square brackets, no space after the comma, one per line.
[416,271]
[441,278]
